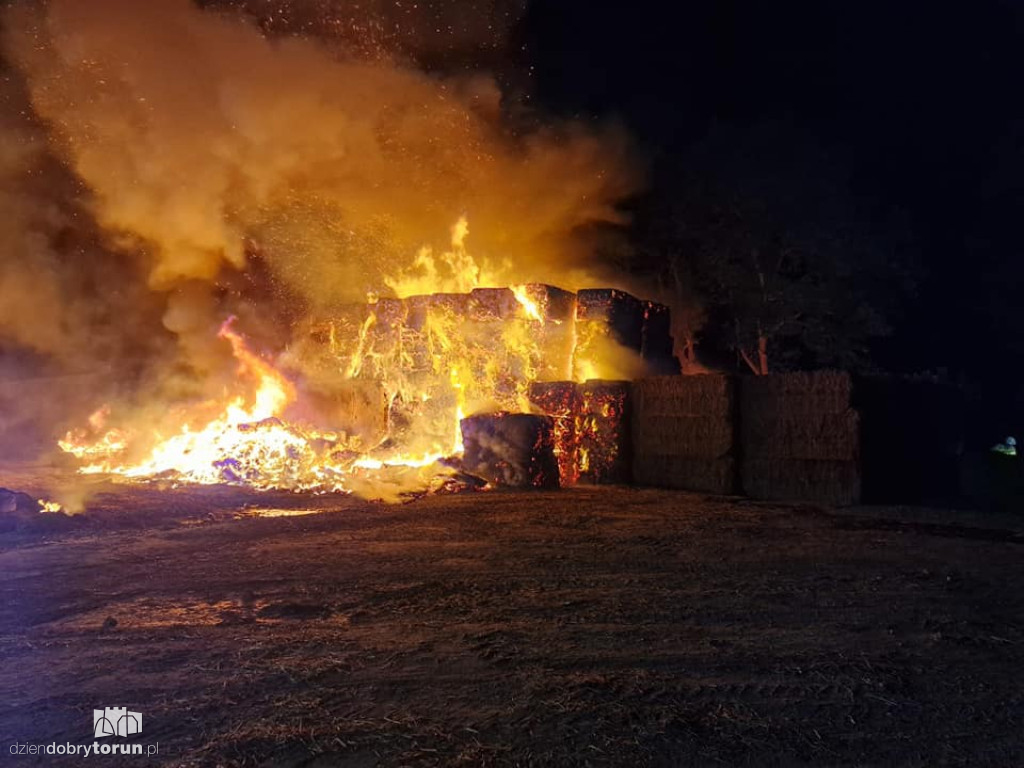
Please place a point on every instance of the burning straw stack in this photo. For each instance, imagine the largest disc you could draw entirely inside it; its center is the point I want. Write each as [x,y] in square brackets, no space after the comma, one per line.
[683,434]
[800,437]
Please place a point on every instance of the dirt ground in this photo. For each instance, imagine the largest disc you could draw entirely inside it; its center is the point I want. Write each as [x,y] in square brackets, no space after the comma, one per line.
[607,626]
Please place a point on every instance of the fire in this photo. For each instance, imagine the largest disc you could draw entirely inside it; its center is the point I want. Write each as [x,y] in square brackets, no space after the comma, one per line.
[396,376]
[246,443]
[298,186]
[530,307]
[273,393]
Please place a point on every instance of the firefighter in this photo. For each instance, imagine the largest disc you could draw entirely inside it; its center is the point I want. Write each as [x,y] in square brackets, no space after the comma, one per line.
[1007,448]
[1005,477]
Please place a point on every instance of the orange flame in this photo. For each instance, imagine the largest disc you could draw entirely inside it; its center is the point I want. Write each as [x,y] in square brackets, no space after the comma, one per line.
[411,375]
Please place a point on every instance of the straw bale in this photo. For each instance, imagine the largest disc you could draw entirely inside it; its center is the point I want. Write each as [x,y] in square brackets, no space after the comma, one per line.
[784,435]
[416,311]
[618,311]
[389,311]
[456,304]
[673,471]
[559,400]
[684,432]
[807,392]
[510,449]
[685,395]
[492,304]
[603,432]
[553,303]
[687,436]
[833,483]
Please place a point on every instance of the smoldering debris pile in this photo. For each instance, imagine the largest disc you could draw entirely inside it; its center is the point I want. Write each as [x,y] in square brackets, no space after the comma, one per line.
[21,512]
[683,432]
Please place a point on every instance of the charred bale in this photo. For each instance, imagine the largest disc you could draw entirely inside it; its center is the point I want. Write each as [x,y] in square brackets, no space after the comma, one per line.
[510,449]
[621,313]
[603,442]
[609,335]
[559,400]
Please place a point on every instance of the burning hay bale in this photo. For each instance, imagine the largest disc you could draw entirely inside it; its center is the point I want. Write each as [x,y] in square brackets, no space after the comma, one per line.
[609,334]
[618,311]
[550,313]
[510,449]
[684,432]
[801,438]
[603,432]
[559,400]
[486,304]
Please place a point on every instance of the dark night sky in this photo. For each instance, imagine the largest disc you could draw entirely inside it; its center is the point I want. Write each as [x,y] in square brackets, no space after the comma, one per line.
[923,100]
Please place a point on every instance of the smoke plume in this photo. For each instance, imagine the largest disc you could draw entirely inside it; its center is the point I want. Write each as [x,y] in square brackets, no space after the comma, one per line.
[164,165]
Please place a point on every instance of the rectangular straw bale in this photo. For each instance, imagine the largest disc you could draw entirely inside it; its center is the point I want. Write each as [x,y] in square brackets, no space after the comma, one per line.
[784,435]
[687,436]
[603,432]
[685,395]
[554,304]
[510,449]
[492,304]
[807,391]
[673,471]
[618,311]
[834,483]
[559,400]
[684,432]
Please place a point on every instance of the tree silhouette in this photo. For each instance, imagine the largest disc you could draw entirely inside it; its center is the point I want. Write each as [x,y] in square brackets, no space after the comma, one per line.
[763,237]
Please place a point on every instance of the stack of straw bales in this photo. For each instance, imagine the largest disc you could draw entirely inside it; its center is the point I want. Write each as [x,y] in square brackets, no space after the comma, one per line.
[683,432]
[800,438]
